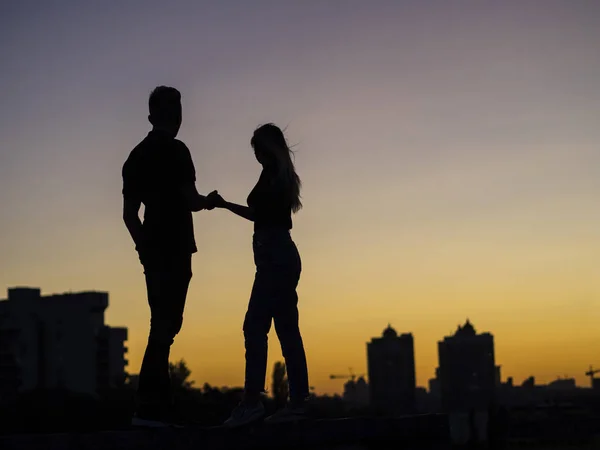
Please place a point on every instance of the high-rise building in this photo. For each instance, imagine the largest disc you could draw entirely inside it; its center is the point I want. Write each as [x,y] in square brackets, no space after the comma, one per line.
[392,379]
[59,341]
[434,383]
[467,370]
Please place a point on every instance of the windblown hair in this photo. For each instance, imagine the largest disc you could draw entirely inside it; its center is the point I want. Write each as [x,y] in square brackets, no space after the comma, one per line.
[165,104]
[270,139]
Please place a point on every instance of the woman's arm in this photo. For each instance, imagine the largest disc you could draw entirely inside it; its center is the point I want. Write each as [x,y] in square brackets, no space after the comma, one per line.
[243,211]
[214,199]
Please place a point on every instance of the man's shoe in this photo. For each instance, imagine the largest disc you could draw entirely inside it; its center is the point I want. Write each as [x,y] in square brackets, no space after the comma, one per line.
[147,422]
[290,413]
[156,418]
[245,414]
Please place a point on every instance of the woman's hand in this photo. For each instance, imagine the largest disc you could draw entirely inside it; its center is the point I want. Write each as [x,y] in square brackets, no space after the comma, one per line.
[215,200]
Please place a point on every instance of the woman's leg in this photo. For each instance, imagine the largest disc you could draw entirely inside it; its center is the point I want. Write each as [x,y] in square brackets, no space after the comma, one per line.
[285,314]
[257,324]
[292,347]
[256,327]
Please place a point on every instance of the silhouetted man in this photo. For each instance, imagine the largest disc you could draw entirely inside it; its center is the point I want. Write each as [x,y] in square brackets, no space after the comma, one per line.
[160,174]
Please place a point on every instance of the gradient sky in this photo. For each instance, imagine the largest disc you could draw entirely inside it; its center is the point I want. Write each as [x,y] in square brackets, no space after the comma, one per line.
[449,154]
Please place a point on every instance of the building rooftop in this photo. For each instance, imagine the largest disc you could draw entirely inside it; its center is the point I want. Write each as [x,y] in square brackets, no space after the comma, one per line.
[429,431]
[466,330]
[33,293]
[389,332]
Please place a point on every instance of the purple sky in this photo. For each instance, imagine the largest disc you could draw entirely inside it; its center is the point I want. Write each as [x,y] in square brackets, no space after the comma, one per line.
[449,150]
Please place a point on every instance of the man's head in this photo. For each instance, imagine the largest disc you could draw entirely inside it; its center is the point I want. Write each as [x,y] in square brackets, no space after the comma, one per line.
[165,109]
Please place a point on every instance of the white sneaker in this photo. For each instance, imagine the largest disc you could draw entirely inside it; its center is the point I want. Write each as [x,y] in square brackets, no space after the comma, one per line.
[244,414]
[289,413]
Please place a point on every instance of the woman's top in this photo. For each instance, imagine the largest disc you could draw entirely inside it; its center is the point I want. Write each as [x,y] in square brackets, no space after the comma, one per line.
[271,204]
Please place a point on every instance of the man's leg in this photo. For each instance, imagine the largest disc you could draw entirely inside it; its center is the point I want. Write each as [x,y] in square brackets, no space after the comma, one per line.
[167,282]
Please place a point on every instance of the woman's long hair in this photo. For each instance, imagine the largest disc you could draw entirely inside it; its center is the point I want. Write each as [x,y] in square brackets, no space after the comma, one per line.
[270,141]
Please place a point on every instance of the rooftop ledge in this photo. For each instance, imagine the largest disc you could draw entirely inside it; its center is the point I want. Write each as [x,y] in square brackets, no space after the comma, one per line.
[410,432]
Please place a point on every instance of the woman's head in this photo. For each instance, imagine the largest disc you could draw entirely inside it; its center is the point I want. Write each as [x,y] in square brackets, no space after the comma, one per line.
[272,151]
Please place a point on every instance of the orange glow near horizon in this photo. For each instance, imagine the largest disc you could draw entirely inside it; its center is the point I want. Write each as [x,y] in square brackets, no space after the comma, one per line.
[449,159]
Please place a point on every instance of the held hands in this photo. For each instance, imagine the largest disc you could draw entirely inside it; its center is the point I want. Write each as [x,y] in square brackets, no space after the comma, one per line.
[214,200]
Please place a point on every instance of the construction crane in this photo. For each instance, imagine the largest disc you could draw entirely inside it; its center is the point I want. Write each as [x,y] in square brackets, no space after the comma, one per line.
[351,376]
[590,373]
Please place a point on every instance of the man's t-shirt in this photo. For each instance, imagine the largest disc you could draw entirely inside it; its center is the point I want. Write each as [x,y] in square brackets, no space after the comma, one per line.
[271,204]
[155,173]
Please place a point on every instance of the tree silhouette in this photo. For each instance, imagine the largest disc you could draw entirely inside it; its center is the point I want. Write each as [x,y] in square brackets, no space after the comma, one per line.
[280,384]
[180,373]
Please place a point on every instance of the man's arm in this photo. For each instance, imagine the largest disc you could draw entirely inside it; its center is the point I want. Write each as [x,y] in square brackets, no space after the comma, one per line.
[132,200]
[131,209]
[195,200]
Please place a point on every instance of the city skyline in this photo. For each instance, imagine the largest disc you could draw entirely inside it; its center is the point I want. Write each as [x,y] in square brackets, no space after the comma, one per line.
[59,341]
[447,153]
[21,293]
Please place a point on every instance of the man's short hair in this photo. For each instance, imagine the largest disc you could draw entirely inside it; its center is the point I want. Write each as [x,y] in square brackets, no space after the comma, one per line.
[165,103]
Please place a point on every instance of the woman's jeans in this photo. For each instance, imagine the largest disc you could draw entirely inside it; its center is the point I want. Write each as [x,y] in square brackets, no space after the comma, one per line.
[274,297]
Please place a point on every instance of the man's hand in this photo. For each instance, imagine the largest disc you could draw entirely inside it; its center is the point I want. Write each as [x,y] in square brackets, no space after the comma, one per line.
[210,200]
[214,200]
[142,254]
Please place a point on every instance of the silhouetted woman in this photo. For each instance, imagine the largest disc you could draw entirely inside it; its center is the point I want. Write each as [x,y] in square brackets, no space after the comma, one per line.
[270,206]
